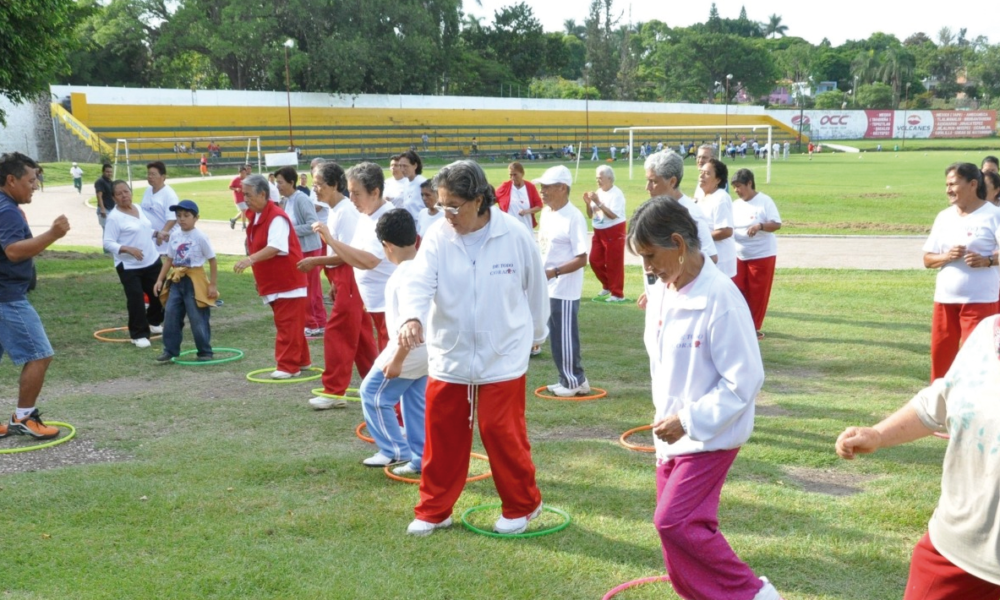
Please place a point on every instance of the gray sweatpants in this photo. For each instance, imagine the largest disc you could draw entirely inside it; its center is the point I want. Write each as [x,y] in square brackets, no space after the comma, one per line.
[564,336]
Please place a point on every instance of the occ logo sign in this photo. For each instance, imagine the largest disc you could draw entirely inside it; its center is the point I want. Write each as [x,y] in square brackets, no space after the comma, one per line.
[834,120]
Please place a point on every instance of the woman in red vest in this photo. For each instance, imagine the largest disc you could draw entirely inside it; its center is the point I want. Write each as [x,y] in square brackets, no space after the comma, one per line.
[274,251]
[518,197]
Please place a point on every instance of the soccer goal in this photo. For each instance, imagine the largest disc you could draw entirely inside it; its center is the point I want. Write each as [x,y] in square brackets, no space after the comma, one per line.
[719,138]
[126,147]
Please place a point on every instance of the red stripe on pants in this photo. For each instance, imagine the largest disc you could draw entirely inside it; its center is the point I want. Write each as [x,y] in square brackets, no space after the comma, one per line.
[500,407]
[316,312]
[934,577]
[754,278]
[607,258]
[291,352]
[348,336]
[950,325]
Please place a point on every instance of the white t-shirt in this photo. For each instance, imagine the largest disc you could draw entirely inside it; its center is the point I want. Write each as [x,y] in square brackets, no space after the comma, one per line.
[519,201]
[77,173]
[614,199]
[322,208]
[415,363]
[759,209]
[718,207]
[413,201]
[189,248]
[123,229]
[371,282]
[395,190]
[562,236]
[273,194]
[342,220]
[704,227]
[979,232]
[156,207]
[425,219]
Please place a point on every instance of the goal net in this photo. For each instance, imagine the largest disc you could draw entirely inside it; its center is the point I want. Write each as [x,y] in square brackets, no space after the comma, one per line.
[695,135]
[146,149]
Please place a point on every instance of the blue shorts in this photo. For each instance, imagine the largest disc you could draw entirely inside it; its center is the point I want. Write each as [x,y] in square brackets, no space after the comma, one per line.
[22,336]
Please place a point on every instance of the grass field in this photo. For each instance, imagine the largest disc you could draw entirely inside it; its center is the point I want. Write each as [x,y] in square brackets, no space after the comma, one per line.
[202,485]
[884,193]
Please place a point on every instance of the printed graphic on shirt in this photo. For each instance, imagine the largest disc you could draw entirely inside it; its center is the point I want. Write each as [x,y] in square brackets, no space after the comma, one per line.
[183,258]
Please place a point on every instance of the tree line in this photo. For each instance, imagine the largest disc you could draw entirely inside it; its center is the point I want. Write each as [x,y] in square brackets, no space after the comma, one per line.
[432,47]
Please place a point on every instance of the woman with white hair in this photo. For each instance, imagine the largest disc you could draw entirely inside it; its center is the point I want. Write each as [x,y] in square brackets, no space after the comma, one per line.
[606,209]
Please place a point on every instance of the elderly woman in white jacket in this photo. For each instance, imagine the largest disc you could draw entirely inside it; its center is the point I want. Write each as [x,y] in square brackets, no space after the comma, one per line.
[479,277]
[706,369]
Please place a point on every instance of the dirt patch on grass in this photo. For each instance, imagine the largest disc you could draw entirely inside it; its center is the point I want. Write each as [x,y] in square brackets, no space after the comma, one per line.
[769,410]
[847,227]
[882,195]
[72,453]
[826,481]
[70,255]
[567,434]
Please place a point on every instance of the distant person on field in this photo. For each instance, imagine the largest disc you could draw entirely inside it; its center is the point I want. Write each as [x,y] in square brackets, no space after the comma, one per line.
[77,174]
[962,246]
[41,178]
[606,210]
[412,168]
[425,141]
[519,198]
[236,186]
[189,291]
[274,252]
[395,186]
[399,374]
[594,155]
[105,194]
[990,163]
[788,147]
[430,213]
[562,239]
[203,164]
[156,203]
[613,150]
[22,337]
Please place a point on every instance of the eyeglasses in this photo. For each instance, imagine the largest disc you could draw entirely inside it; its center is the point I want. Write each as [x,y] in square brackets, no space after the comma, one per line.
[451,210]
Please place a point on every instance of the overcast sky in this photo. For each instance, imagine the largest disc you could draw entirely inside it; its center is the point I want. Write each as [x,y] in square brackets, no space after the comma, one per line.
[837,21]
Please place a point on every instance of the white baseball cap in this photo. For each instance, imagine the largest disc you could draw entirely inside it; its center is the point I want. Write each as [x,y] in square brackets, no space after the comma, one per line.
[74,164]
[559,174]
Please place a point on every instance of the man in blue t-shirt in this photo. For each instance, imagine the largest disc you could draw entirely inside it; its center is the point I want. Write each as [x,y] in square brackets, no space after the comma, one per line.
[22,336]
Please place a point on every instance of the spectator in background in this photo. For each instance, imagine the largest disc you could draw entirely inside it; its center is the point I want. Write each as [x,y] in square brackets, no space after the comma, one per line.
[990,163]
[77,174]
[430,212]
[105,194]
[425,140]
[395,186]
[992,180]
[412,168]
[236,186]
[519,198]
[303,185]
[156,203]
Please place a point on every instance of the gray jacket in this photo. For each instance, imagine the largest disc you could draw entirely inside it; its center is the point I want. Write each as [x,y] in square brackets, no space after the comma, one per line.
[302,211]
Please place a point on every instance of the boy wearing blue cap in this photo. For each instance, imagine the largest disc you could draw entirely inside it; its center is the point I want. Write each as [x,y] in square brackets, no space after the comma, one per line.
[188,289]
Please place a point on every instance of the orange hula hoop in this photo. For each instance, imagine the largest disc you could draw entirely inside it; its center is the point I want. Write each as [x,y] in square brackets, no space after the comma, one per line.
[600,394]
[361,436]
[99,334]
[623,440]
[485,475]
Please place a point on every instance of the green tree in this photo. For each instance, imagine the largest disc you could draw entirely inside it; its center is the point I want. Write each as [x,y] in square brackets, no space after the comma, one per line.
[516,41]
[831,100]
[774,27]
[109,51]
[602,53]
[34,38]
[876,95]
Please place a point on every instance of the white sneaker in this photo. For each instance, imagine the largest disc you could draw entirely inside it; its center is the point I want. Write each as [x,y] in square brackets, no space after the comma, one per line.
[536,350]
[323,403]
[141,343]
[318,332]
[767,591]
[604,293]
[378,460]
[282,374]
[156,329]
[519,525]
[422,528]
[406,469]
[615,299]
[564,392]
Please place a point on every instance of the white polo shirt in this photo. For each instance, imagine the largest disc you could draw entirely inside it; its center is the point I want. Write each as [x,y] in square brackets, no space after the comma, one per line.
[979,232]
[759,209]
[371,282]
[562,236]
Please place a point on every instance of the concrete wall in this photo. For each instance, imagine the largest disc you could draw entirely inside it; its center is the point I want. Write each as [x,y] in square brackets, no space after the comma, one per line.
[28,129]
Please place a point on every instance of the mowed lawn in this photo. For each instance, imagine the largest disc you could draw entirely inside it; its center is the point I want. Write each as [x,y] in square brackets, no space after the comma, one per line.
[884,193]
[190,482]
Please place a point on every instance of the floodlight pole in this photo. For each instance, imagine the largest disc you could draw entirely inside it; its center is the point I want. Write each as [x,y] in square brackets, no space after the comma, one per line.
[729,78]
[288,91]
[906,108]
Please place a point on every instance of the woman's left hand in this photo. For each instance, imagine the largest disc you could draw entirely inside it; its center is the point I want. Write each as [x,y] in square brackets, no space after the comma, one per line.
[977,261]
[242,265]
[669,429]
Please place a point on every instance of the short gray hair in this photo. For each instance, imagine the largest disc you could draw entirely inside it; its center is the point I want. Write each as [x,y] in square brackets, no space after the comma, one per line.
[709,147]
[258,183]
[369,175]
[656,221]
[606,170]
[316,161]
[666,164]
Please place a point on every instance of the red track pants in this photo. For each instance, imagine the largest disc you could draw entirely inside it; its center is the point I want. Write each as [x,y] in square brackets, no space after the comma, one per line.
[348,336]
[754,279]
[291,352]
[950,325]
[607,258]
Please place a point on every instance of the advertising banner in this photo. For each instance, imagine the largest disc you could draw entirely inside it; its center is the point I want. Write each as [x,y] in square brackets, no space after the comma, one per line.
[884,124]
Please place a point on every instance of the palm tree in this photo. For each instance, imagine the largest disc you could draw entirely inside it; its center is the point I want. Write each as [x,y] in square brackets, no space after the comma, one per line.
[774,28]
[897,66]
[571,28]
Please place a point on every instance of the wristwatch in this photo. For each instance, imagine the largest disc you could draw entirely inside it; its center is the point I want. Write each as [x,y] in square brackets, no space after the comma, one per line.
[556,271]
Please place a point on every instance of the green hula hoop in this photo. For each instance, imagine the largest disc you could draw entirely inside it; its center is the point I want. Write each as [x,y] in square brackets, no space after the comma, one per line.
[299,379]
[528,534]
[355,398]
[47,443]
[602,300]
[204,363]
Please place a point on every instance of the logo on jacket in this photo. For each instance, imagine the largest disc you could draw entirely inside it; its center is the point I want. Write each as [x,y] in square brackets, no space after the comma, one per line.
[503,269]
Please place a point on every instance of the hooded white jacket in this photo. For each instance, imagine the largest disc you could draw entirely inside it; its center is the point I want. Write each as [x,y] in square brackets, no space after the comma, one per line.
[483,317]
[705,362]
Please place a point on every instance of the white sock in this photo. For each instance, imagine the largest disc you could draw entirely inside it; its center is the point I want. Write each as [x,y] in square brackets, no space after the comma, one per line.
[20,413]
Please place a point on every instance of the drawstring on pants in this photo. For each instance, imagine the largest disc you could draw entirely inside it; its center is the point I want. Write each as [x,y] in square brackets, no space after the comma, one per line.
[473,397]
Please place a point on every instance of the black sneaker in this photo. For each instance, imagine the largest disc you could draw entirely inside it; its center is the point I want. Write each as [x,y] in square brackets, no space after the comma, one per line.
[206,358]
[232,223]
[163,358]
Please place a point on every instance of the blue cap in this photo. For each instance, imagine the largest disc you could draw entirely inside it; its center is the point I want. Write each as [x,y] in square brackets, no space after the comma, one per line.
[187,205]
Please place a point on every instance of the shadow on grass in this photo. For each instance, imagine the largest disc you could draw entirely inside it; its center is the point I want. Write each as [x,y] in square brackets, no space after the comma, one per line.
[832,320]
